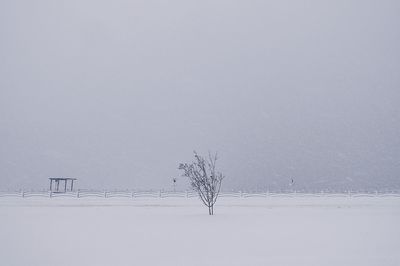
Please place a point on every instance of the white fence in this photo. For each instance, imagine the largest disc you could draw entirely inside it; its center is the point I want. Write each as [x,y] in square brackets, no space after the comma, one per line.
[191,194]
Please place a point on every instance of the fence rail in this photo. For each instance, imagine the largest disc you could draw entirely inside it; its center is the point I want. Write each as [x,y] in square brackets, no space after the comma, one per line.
[189,194]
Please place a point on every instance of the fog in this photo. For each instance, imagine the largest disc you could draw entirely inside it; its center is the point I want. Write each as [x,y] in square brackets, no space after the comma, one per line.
[118,93]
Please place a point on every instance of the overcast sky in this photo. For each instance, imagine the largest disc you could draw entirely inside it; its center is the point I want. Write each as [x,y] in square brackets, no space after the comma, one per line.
[117,93]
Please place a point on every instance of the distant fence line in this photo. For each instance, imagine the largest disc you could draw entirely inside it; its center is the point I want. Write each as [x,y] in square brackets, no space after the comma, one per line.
[191,194]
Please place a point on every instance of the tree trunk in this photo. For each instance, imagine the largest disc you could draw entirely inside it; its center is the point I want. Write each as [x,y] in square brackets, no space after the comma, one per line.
[211,210]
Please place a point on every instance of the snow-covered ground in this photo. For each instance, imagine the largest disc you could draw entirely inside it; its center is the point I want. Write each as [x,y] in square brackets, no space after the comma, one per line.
[167,231]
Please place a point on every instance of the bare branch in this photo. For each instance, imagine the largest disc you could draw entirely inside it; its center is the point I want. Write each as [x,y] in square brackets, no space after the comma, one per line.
[204,179]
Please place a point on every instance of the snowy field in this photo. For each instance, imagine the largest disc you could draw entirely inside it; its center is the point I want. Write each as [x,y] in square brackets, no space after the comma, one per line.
[178,231]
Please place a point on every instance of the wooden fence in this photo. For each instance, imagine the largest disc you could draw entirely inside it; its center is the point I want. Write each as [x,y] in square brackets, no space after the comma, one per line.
[191,194]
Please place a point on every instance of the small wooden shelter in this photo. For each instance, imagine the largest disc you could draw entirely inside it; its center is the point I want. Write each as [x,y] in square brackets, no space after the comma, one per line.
[64,188]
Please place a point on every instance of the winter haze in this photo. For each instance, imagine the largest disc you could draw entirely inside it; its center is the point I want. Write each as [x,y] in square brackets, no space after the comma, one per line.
[117,93]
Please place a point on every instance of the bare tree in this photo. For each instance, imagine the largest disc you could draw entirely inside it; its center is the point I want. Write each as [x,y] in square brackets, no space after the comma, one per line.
[204,178]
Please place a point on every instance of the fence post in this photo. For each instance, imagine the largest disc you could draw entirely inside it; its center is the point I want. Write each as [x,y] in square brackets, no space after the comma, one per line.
[77,193]
[105,194]
[159,194]
[23,193]
[132,194]
[50,194]
[241,194]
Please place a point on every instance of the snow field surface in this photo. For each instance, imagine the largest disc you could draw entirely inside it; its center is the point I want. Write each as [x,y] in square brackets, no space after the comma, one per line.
[178,231]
